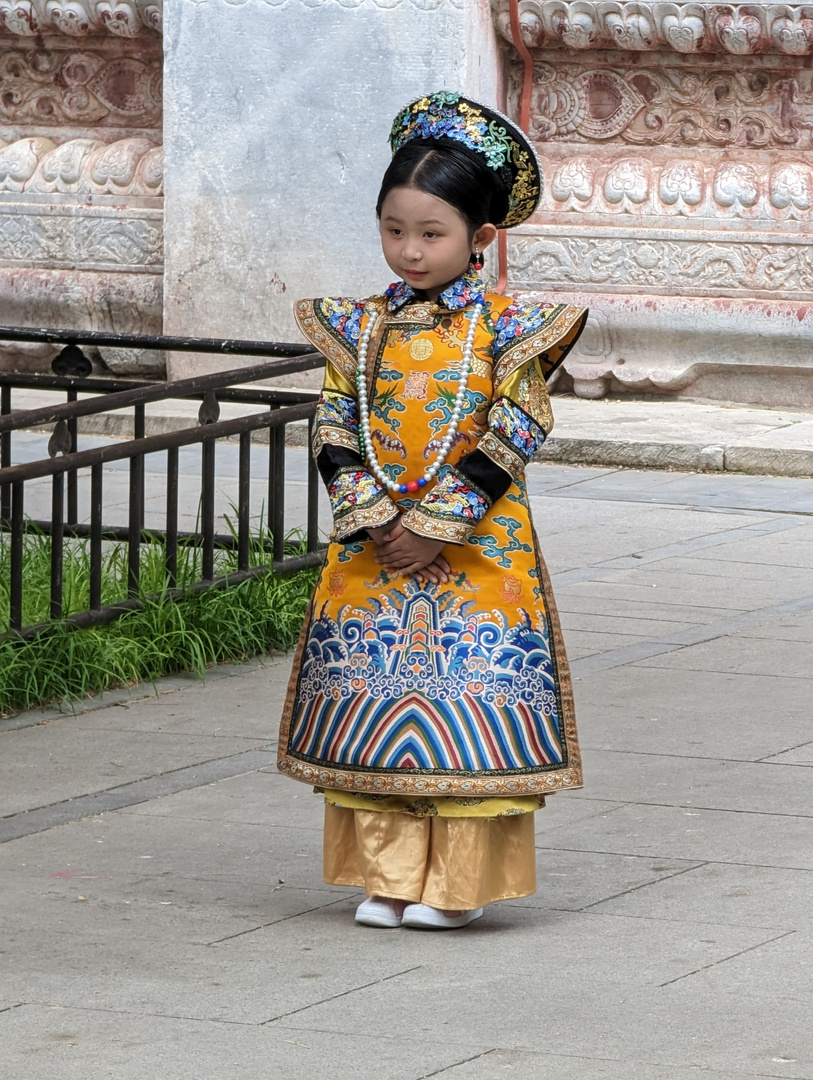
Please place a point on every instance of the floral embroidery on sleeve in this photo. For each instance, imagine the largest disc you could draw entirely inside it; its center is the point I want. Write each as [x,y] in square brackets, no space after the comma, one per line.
[344,316]
[336,422]
[524,331]
[513,437]
[450,511]
[519,319]
[358,502]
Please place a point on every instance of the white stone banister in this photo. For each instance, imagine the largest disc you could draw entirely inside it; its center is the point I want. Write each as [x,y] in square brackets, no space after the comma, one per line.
[695,27]
[80,18]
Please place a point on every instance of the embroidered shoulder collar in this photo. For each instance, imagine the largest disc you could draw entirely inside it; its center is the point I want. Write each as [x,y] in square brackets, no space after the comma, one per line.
[468,289]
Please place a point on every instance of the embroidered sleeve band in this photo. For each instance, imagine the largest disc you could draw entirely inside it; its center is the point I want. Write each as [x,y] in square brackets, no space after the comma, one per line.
[523,331]
[513,437]
[336,422]
[450,511]
[358,502]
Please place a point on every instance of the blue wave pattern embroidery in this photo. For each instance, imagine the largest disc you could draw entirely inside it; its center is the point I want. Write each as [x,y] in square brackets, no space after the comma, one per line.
[514,426]
[420,680]
[517,320]
[344,316]
[337,410]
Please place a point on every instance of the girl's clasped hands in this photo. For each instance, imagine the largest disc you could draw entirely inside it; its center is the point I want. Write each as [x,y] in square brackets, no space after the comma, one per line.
[404,552]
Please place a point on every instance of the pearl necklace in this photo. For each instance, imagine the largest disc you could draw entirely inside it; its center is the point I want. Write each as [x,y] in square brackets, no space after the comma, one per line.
[446,443]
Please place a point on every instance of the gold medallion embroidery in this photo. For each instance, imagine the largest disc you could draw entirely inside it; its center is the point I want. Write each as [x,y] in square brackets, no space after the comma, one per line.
[421,349]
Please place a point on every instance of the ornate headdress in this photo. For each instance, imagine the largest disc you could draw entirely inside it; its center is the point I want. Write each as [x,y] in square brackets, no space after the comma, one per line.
[506,150]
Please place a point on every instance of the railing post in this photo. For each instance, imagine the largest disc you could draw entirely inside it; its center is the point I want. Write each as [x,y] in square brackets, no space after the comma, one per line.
[57,542]
[278,519]
[73,508]
[207,511]
[66,468]
[96,497]
[244,501]
[5,457]
[136,509]
[171,534]
[15,615]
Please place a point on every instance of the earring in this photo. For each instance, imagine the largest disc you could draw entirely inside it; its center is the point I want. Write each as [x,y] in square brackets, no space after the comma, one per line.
[478,260]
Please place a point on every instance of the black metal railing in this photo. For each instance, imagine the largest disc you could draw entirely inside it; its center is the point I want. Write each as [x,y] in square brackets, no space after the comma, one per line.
[67,463]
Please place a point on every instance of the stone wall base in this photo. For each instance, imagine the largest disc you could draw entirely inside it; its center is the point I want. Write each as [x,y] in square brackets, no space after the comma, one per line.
[125,303]
[747,351]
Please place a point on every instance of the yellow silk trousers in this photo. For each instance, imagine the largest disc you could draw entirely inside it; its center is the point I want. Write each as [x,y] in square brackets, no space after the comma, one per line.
[447,863]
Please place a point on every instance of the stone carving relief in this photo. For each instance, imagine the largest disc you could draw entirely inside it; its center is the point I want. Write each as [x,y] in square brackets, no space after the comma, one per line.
[127,167]
[91,239]
[697,265]
[78,88]
[80,18]
[81,170]
[657,106]
[604,184]
[421,5]
[737,29]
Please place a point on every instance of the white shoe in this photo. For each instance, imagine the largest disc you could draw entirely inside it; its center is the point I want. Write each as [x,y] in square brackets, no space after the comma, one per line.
[383,913]
[423,917]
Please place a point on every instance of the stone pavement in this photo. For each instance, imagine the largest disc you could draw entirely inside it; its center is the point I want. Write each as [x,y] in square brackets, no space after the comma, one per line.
[635,433]
[164,916]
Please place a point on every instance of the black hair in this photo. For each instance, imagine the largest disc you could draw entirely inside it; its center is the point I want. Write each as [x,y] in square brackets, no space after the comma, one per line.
[450,171]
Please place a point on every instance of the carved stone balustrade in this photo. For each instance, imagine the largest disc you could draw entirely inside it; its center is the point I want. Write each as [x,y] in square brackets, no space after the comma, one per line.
[676,145]
[81,168]
[80,18]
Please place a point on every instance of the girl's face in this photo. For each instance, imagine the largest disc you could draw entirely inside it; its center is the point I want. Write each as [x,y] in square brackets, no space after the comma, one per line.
[426,241]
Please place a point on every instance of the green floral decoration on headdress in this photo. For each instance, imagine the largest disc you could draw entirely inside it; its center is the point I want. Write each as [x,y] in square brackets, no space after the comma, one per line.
[451,116]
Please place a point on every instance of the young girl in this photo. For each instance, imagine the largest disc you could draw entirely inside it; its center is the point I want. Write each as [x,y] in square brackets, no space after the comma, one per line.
[430,699]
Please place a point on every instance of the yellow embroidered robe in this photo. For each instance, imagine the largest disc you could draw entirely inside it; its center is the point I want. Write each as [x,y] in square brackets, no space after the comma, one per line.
[418,690]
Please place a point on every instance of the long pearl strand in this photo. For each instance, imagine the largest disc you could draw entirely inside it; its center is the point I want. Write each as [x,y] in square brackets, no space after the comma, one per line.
[446,443]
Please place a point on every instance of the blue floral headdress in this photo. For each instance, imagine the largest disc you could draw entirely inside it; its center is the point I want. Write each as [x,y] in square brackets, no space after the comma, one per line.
[446,115]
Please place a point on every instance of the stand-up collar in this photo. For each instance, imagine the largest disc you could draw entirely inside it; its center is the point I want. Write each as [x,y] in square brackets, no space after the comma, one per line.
[468,289]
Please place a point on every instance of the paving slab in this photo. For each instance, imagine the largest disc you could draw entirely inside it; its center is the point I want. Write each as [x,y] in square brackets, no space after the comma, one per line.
[672,587]
[799,755]
[563,999]
[602,599]
[74,1044]
[707,783]
[197,711]
[745,895]
[255,798]
[542,1066]
[578,880]
[718,714]
[56,763]
[154,845]
[743,656]
[178,926]
[792,628]
[724,836]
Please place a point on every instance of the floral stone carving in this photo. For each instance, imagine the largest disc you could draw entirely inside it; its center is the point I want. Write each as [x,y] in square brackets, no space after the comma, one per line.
[669,105]
[128,167]
[81,18]
[675,141]
[686,28]
[56,88]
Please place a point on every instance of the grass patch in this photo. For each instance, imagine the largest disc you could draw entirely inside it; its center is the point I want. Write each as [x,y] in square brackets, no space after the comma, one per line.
[165,636]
